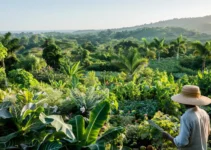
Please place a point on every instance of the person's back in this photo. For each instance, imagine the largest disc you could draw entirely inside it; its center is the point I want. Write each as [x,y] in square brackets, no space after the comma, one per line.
[194,131]
[194,123]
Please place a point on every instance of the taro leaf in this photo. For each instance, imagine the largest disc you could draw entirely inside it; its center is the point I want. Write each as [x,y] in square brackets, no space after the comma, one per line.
[78,125]
[12,144]
[4,113]
[97,146]
[55,145]
[30,111]
[5,104]
[4,139]
[98,116]
[59,124]
[29,106]
[44,119]
[110,135]
[29,144]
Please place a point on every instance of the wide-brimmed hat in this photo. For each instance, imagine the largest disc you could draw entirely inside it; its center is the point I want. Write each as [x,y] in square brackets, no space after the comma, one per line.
[191,95]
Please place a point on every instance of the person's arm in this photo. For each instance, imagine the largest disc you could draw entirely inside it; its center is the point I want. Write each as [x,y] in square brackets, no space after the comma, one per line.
[168,137]
[183,138]
[185,131]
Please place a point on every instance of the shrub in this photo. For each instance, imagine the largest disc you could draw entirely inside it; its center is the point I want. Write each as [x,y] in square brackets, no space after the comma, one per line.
[139,109]
[22,77]
[127,91]
[169,123]
[2,76]
[31,62]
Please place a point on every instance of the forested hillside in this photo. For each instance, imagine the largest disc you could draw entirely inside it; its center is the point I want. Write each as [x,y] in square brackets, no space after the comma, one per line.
[98,90]
[196,24]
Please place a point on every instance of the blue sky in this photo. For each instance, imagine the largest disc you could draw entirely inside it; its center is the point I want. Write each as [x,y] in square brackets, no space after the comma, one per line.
[93,14]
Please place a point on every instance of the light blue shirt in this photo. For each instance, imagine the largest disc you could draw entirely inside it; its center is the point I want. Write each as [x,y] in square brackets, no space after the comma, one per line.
[194,130]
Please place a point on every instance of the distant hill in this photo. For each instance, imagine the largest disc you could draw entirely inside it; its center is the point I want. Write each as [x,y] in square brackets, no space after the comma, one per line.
[197,24]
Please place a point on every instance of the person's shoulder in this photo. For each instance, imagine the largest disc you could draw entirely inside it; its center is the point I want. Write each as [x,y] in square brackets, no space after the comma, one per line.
[189,114]
[203,112]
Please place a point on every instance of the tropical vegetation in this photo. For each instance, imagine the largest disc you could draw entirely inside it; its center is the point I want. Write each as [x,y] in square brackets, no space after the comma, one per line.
[98,90]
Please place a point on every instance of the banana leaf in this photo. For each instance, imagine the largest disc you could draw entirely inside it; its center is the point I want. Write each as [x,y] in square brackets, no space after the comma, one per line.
[97,118]
[78,125]
[57,122]
[110,135]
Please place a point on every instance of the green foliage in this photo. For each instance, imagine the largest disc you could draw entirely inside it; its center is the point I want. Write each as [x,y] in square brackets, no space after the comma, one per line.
[139,109]
[58,123]
[91,79]
[204,51]
[127,91]
[131,64]
[31,62]
[203,80]
[168,64]
[22,127]
[73,71]
[97,118]
[179,45]
[88,99]
[22,77]
[2,76]
[88,137]
[160,46]
[52,56]
[169,123]
[3,52]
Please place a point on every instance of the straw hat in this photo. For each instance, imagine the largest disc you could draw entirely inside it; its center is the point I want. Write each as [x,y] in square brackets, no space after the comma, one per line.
[191,95]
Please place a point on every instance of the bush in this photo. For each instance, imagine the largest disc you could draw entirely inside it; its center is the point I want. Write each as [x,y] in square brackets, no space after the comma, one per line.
[2,76]
[169,123]
[22,77]
[139,109]
[31,62]
[127,91]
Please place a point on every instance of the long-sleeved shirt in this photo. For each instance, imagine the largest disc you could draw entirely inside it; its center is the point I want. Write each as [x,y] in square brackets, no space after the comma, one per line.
[194,130]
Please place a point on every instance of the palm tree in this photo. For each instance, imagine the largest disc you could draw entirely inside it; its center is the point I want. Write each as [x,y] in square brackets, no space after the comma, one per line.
[131,64]
[148,49]
[73,71]
[12,44]
[160,46]
[179,45]
[3,54]
[204,51]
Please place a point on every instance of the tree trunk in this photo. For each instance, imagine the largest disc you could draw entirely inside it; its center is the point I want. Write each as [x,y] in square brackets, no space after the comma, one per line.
[177,53]
[203,65]
[5,80]
[159,56]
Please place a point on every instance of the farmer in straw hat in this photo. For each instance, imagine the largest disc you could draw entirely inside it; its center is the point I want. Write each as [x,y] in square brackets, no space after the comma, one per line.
[194,123]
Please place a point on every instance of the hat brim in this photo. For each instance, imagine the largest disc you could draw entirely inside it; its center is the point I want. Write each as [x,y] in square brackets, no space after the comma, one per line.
[200,101]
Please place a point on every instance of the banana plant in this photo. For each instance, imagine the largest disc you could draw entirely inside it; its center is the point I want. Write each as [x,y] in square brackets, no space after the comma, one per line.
[22,129]
[88,137]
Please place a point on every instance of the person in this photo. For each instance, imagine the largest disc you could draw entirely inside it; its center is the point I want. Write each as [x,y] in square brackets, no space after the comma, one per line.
[194,123]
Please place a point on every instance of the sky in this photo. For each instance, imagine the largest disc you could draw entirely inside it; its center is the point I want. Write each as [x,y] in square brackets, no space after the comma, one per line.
[23,15]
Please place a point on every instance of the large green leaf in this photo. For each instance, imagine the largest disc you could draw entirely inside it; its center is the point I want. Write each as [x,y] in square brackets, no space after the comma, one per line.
[98,116]
[4,139]
[4,113]
[97,146]
[110,135]
[78,125]
[37,111]
[29,106]
[5,104]
[55,145]
[59,124]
